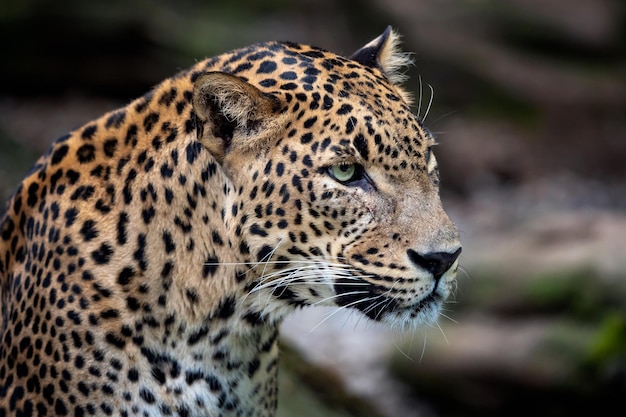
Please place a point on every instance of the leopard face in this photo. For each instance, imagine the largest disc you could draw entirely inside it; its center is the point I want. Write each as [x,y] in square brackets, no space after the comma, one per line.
[149,257]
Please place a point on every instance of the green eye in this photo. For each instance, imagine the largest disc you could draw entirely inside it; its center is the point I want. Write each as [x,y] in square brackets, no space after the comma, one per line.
[344,172]
[351,175]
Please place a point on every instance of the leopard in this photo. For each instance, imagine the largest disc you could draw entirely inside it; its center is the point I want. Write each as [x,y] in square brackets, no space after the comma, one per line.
[148,258]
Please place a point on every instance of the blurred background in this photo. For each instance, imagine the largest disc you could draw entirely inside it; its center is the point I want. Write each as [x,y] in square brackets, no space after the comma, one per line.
[529,108]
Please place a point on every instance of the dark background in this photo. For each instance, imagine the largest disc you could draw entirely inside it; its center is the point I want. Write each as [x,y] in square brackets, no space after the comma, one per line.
[529,107]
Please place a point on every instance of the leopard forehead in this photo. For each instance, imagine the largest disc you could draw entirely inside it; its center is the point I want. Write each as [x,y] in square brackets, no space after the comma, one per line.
[336,105]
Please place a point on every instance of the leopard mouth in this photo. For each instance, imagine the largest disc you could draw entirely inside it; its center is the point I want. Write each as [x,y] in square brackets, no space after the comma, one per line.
[373,301]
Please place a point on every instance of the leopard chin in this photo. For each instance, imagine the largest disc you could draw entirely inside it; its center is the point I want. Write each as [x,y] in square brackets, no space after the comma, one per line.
[374,302]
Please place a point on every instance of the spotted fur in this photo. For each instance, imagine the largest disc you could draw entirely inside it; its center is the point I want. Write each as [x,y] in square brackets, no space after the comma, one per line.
[147,260]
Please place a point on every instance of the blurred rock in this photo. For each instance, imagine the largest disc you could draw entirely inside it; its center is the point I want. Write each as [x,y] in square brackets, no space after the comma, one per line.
[532,367]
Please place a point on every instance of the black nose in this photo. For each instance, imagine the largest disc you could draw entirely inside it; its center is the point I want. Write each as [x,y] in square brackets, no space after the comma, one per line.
[437,263]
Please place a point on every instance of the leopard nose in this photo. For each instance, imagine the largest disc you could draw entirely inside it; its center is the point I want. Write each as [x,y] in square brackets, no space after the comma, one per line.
[437,263]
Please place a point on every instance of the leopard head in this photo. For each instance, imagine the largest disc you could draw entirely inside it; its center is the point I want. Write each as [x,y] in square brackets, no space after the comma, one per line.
[333,187]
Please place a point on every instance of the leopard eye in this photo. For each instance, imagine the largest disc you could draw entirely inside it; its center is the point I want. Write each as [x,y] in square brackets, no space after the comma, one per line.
[345,172]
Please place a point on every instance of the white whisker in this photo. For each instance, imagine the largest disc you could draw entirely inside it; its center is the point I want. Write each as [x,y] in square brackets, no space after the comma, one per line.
[430,102]
[376,305]
[448,317]
[442,332]
[339,295]
[402,352]
[443,117]
[340,309]
[305,274]
[465,272]
[423,348]
[419,101]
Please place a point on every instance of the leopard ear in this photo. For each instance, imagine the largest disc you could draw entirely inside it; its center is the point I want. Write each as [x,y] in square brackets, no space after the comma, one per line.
[384,53]
[231,113]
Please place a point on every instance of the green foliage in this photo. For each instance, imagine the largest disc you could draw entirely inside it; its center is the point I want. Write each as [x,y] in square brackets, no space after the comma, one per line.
[609,343]
[579,293]
[582,294]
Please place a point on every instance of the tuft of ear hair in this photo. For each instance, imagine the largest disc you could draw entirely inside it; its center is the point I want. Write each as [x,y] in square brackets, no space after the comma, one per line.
[385,54]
